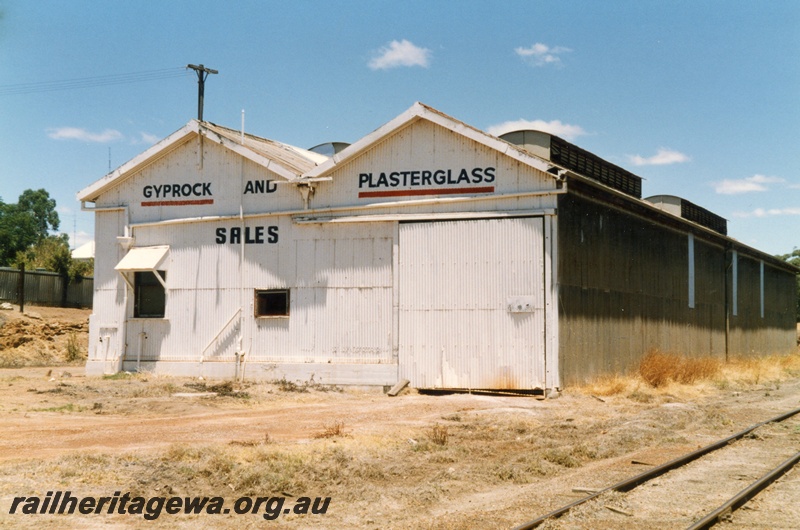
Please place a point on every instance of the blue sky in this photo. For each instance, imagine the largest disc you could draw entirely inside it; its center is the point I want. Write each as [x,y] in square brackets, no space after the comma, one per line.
[701,99]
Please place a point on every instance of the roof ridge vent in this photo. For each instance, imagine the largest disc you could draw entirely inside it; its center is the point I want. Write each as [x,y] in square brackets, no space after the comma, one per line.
[690,211]
[574,158]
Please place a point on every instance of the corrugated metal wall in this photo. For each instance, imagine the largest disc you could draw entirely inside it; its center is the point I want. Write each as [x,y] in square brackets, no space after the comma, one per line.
[225,172]
[106,331]
[456,282]
[774,331]
[624,289]
[340,281]
[341,307]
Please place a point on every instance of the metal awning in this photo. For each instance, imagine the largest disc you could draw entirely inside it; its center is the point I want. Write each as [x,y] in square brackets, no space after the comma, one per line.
[138,259]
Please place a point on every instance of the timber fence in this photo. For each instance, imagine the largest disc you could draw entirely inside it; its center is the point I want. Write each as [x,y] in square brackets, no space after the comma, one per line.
[45,288]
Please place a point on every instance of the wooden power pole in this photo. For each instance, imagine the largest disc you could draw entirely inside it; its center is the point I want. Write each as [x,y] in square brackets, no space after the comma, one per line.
[202,74]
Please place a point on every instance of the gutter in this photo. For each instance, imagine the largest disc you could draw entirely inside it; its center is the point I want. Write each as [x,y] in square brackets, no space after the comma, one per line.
[361,207]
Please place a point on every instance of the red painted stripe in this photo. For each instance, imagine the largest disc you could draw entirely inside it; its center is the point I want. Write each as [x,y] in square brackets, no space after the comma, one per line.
[178,203]
[411,193]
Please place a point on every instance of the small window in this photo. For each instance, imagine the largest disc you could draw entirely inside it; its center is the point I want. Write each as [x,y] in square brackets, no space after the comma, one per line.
[272,303]
[149,295]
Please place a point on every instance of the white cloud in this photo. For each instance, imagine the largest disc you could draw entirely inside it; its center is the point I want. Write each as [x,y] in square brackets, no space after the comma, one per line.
[75,133]
[147,138]
[541,54]
[662,158]
[555,127]
[400,53]
[745,185]
[772,212]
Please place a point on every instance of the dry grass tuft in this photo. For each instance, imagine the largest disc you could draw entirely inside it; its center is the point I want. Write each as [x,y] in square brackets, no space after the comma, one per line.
[758,370]
[660,373]
[74,353]
[252,443]
[657,369]
[609,385]
[438,434]
[332,430]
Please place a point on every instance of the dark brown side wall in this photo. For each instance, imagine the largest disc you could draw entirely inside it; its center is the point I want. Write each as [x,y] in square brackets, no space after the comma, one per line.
[776,332]
[624,289]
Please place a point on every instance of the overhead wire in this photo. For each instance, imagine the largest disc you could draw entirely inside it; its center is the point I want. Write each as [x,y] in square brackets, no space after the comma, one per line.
[95,81]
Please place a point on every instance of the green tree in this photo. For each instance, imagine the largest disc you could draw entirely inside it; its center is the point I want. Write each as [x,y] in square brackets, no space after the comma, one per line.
[25,223]
[51,253]
[42,208]
[794,259]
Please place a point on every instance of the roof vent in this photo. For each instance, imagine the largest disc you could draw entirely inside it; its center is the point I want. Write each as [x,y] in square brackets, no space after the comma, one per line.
[690,212]
[329,148]
[576,159]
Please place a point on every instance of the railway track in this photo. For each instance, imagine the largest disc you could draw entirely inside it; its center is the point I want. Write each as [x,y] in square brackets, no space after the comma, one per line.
[758,456]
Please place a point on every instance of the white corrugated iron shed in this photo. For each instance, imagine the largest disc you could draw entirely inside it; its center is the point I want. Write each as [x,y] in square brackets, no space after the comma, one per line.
[427,250]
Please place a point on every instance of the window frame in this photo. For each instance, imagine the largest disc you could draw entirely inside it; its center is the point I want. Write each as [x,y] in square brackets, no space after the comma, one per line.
[262,294]
[152,292]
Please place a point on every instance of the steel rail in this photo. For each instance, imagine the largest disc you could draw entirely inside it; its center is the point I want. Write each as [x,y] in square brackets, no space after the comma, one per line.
[744,496]
[631,483]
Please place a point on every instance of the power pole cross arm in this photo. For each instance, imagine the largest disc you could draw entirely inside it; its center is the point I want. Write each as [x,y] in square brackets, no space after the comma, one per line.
[202,74]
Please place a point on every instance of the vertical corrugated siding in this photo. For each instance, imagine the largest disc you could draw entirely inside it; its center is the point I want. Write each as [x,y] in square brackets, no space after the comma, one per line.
[106,325]
[108,226]
[425,145]
[225,171]
[455,282]
[341,300]
[340,284]
[625,288]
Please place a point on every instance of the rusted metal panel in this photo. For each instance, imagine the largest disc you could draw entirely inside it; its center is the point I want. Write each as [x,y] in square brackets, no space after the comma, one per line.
[472,304]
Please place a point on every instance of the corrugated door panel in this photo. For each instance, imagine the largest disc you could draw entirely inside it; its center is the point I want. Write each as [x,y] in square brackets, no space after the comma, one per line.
[457,282]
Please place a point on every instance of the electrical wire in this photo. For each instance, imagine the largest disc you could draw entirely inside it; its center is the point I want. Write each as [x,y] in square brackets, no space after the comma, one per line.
[96,81]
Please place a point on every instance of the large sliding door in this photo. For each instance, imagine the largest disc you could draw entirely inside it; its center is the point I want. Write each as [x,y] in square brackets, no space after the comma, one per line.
[472,303]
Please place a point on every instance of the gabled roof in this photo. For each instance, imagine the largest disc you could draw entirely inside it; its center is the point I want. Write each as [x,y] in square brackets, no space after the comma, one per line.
[285,160]
[416,112]
[293,158]
[84,252]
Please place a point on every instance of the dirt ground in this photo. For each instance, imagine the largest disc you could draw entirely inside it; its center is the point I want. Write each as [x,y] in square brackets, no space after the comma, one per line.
[413,461]
[43,336]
